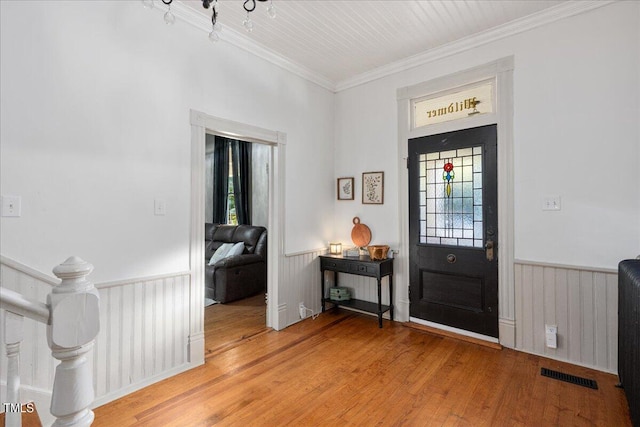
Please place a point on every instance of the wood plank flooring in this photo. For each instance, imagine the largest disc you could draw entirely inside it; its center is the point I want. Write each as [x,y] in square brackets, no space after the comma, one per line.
[228,325]
[342,370]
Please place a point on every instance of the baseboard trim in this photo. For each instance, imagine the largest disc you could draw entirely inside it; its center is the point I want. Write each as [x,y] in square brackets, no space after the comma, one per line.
[569,362]
[507,332]
[123,391]
[195,349]
[281,321]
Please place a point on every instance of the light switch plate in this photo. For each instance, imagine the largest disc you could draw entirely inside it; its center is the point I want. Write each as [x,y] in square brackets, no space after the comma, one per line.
[11,206]
[159,207]
[551,203]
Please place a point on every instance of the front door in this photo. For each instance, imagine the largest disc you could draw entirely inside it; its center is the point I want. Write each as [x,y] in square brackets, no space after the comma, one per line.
[453,229]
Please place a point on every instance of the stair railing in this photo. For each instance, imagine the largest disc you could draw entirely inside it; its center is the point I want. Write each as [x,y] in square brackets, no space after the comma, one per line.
[72,317]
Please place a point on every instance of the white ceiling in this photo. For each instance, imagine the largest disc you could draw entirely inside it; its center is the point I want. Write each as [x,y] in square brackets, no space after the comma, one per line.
[340,40]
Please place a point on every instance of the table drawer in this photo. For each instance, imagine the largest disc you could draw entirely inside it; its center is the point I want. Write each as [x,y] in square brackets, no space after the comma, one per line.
[359,266]
[364,269]
[336,265]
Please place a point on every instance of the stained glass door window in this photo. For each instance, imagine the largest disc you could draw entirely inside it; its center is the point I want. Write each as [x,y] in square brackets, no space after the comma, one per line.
[451,197]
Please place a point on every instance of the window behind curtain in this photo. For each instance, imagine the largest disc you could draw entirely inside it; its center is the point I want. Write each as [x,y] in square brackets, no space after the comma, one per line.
[232,218]
[229,181]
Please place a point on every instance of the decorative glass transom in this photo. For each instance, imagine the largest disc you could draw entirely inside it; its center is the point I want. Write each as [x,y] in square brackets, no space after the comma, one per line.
[459,104]
[451,197]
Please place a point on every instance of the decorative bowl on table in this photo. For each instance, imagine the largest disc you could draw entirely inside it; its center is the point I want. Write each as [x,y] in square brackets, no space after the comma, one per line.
[378,252]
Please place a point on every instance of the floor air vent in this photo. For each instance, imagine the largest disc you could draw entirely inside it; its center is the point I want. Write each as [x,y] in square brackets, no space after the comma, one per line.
[584,382]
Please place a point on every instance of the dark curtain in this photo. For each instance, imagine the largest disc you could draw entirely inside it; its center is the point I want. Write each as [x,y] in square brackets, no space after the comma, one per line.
[220,180]
[241,161]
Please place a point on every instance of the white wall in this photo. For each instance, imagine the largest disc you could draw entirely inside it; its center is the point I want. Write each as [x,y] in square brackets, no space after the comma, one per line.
[95,125]
[576,135]
[576,126]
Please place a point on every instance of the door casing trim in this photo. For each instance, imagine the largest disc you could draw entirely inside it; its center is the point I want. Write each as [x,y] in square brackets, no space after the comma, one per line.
[201,124]
[502,71]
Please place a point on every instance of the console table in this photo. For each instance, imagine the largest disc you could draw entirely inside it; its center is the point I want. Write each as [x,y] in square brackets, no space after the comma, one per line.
[361,266]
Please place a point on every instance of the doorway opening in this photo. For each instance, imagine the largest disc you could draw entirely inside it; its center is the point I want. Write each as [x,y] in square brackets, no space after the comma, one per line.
[236,194]
[428,98]
[201,125]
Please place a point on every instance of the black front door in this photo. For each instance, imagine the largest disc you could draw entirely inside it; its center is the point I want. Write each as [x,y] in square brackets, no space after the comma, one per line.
[453,229]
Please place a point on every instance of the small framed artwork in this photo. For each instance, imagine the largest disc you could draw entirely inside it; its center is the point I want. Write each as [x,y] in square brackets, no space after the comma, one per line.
[373,188]
[345,188]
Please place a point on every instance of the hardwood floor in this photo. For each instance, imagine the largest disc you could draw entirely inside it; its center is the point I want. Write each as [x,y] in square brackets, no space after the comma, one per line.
[227,325]
[341,369]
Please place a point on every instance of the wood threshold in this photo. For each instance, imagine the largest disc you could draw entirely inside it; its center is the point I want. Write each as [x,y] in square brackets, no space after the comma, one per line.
[453,335]
[229,325]
[235,343]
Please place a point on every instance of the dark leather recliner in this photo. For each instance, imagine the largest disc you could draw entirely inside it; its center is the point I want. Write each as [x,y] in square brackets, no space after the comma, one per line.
[238,276]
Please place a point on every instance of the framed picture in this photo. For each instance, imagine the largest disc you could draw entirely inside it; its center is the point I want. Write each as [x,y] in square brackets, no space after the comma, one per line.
[373,188]
[345,188]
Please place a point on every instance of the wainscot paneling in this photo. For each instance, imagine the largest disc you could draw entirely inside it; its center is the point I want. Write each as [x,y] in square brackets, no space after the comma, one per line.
[301,276]
[582,302]
[144,328]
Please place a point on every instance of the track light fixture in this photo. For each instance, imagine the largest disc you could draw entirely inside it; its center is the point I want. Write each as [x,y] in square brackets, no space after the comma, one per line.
[214,35]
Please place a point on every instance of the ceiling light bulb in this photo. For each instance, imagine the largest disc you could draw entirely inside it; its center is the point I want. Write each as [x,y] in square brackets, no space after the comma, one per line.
[214,35]
[271,10]
[148,4]
[169,18]
[248,24]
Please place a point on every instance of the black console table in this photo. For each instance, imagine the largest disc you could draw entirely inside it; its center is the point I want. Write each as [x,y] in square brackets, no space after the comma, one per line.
[361,266]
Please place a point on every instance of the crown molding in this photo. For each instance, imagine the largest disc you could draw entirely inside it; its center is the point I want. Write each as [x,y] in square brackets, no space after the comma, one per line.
[203,23]
[547,16]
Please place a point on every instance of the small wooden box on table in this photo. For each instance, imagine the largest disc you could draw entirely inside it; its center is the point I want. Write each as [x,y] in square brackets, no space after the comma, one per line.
[361,266]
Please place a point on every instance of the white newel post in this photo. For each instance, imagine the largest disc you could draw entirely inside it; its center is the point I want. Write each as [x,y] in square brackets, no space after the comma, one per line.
[13,334]
[71,333]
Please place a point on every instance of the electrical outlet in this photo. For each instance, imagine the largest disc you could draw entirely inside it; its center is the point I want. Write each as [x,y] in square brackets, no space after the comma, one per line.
[551,335]
[303,310]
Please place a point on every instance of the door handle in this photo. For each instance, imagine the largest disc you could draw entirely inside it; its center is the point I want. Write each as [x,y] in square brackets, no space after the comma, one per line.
[489,249]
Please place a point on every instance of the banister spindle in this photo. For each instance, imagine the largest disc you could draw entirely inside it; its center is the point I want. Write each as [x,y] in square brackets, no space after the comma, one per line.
[71,333]
[13,335]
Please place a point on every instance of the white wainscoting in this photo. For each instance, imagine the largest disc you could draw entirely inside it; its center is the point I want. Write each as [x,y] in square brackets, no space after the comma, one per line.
[301,276]
[582,302]
[144,332]
[144,329]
